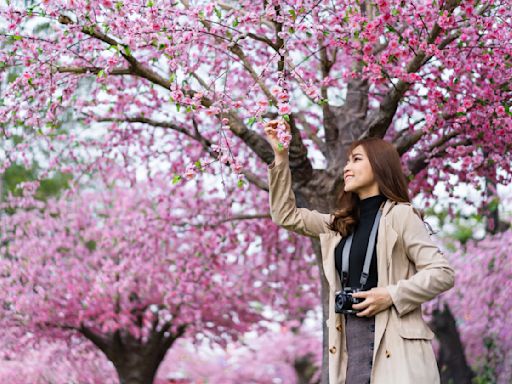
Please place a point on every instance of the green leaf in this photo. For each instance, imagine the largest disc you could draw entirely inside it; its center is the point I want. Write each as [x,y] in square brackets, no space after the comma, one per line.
[178,107]
[119,5]
[127,50]
[280,146]
[218,12]
[90,245]
[198,165]
[235,23]
[17,37]
[292,14]
[493,205]
[176,179]
[101,73]
[150,3]
[240,183]
[286,117]
[251,121]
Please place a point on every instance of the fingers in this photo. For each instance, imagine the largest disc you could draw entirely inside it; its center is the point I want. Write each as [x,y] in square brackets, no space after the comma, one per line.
[270,129]
[364,304]
[361,295]
[272,124]
[367,312]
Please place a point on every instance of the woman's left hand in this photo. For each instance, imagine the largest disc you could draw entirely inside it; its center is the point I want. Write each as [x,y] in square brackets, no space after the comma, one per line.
[375,300]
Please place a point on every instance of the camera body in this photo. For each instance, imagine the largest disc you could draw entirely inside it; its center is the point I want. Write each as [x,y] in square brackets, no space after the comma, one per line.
[344,301]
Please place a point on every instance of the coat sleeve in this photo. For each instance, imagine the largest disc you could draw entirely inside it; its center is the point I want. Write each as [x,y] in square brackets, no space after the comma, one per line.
[434,274]
[283,209]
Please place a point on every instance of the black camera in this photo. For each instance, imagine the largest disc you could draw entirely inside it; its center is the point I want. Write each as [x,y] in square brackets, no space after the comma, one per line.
[344,300]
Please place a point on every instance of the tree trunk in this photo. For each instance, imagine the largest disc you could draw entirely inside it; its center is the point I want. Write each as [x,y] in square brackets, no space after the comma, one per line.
[451,360]
[135,361]
[305,371]
[135,369]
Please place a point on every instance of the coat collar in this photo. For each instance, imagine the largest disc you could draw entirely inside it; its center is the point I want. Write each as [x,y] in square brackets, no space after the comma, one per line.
[387,206]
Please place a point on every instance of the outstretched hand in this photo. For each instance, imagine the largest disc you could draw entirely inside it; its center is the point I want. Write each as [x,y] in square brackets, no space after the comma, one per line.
[271,132]
[375,300]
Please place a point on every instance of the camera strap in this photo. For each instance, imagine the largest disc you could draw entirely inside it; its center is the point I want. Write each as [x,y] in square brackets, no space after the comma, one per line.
[369,252]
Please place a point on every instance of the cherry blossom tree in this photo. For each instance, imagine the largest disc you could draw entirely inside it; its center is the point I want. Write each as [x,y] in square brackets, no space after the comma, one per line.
[188,84]
[132,268]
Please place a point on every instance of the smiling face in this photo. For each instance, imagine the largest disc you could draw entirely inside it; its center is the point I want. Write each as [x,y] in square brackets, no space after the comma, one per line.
[358,174]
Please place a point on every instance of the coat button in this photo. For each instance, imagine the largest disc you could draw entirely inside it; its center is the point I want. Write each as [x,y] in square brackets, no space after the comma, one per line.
[388,354]
[339,328]
[332,349]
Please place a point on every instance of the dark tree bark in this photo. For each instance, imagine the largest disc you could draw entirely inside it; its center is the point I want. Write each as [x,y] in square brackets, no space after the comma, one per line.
[305,371]
[452,362]
[135,361]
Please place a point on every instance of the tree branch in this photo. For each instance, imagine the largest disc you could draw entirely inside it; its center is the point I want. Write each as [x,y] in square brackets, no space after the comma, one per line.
[380,119]
[309,131]
[420,162]
[93,70]
[255,141]
[205,143]
[98,340]
[237,50]
[406,141]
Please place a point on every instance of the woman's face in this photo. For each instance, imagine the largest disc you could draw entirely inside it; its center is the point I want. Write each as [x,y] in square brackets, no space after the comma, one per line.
[358,174]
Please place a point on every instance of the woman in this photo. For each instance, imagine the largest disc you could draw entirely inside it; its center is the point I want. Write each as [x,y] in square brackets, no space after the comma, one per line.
[386,340]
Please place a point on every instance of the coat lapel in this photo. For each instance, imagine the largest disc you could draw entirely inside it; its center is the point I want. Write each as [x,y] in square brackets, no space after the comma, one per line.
[385,242]
[328,243]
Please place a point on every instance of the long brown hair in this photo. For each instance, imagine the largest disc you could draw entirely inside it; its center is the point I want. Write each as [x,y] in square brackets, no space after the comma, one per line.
[387,169]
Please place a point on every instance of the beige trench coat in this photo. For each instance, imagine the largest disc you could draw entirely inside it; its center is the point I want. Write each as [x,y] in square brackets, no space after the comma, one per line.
[410,266]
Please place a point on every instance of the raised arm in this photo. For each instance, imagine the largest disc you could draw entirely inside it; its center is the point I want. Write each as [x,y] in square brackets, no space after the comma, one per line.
[283,207]
[434,274]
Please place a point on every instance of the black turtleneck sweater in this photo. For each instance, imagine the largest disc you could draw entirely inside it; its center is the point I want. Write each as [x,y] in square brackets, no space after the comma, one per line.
[367,211]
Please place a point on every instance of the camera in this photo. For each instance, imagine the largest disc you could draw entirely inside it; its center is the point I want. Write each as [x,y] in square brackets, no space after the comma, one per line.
[344,300]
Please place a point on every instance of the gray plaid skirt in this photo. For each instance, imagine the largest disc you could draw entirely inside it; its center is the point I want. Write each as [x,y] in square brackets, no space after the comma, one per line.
[360,333]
